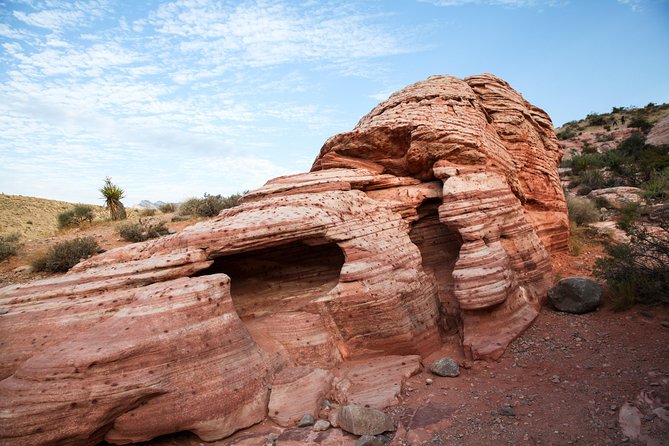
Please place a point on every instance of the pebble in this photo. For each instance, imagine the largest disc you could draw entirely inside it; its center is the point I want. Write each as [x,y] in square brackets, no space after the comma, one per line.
[307,420]
[428,381]
[321,425]
[507,411]
[555,379]
[665,324]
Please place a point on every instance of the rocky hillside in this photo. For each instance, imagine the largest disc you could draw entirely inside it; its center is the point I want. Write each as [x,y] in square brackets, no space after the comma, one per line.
[603,132]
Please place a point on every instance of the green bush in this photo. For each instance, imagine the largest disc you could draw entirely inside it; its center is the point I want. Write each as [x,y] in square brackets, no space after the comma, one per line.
[594,179]
[586,161]
[209,205]
[75,216]
[63,256]
[143,230]
[166,208]
[657,188]
[566,133]
[640,123]
[638,271]
[581,210]
[595,119]
[628,214]
[8,245]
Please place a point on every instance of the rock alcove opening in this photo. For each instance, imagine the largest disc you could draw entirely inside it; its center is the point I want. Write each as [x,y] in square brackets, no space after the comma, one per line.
[280,278]
[439,248]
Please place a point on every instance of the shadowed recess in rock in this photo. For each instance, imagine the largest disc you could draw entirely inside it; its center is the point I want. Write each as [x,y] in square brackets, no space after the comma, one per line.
[439,248]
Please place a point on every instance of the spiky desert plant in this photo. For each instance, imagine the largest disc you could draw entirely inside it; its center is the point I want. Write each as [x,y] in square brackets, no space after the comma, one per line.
[112,195]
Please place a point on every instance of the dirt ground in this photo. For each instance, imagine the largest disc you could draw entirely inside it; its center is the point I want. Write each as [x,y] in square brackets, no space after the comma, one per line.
[561,382]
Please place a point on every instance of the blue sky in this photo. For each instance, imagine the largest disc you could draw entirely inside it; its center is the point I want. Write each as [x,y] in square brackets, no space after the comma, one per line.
[173,99]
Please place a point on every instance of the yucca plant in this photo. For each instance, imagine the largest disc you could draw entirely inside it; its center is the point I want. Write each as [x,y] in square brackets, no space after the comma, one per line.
[112,195]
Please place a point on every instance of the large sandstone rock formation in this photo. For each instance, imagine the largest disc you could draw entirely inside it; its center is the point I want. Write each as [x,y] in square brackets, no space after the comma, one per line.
[434,216]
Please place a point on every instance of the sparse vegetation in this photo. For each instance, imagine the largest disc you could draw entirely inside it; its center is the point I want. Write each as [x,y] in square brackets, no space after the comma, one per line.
[638,271]
[63,256]
[166,208]
[142,230]
[147,212]
[8,245]
[75,216]
[209,205]
[581,210]
[112,195]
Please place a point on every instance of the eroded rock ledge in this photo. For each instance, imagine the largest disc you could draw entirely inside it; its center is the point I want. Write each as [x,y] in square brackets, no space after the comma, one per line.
[432,219]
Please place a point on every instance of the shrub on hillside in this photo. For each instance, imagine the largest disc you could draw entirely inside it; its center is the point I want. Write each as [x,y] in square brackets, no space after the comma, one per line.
[209,205]
[640,123]
[63,256]
[166,208]
[566,133]
[142,230]
[595,119]
[638,271]
[8,245]
[147,212]
[75,216]
[657,188]
[581,210]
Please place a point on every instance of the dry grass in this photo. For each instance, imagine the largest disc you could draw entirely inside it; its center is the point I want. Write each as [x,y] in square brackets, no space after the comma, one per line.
[37,218]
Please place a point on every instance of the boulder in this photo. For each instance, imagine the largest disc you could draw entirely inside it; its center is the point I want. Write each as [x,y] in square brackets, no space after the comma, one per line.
[360,420]
[617,197]
[436,214]
[576,295]
[445,367]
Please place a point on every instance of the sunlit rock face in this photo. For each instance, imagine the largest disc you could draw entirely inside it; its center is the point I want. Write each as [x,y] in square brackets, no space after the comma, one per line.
[433,219]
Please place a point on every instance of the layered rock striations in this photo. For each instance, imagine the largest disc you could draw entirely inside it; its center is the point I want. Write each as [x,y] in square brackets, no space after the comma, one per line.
[433,217]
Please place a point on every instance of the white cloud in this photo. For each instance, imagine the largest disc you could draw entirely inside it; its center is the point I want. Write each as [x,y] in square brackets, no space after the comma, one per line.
[636,5]
[62,14]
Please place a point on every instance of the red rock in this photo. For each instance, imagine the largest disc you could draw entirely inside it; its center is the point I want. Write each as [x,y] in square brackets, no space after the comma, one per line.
[436,214]
[298,391]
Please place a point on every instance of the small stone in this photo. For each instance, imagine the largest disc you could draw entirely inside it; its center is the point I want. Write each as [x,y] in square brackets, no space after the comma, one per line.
[369,440]
[665,324]
[445,367]
[360,420]
[428,381]
[321,425]
[307,420]
[171,231]
[507,411]
[555,379]
[271,439]
[4,311]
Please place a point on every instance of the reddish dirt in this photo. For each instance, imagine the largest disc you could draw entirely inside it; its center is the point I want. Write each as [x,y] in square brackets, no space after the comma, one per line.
[561,382]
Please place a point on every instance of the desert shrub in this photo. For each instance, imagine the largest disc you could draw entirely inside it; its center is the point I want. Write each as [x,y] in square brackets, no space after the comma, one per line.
[576,238]
[63,256]
[8,245]
[209,205]
[632,144]
[75,216]
[640,123]
[658,185]
[638,271]
[594,179]
[566,133]
[581,210]
[584,190]
[588,148]
[112,195]
[601,202]
[595,119]
[166,208]
[142,230]
[147,212]
[605,138]
[628,214]
[586,161]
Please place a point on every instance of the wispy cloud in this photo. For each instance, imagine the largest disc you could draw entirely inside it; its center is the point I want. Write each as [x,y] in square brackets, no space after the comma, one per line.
[503,3]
